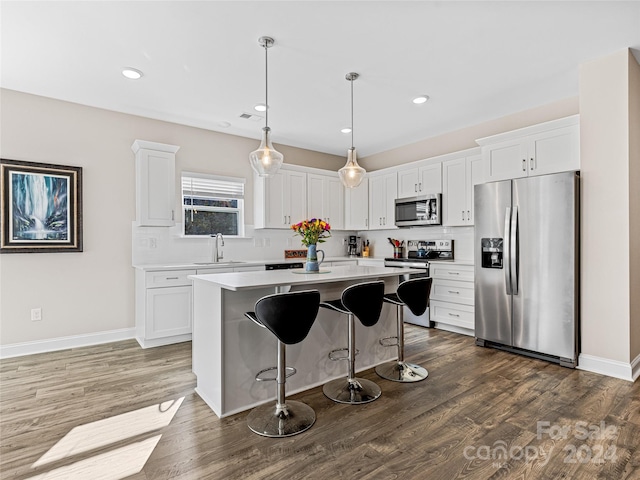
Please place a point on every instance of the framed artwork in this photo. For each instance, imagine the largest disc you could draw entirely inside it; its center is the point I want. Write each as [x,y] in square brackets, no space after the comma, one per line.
[41,207]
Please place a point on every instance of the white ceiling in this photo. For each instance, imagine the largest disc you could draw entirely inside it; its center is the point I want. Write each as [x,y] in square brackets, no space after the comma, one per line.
[202,63]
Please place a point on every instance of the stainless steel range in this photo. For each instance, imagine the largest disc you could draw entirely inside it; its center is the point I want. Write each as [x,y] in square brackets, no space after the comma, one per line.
[419,254]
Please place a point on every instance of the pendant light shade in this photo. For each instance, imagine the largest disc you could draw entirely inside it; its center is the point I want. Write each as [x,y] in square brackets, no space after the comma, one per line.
[266,160]
[352,174]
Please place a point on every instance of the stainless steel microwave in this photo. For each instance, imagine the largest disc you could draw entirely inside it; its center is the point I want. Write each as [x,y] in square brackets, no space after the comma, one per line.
[416,211]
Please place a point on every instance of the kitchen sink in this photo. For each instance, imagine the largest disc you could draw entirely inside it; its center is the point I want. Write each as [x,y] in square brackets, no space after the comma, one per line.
[230,262]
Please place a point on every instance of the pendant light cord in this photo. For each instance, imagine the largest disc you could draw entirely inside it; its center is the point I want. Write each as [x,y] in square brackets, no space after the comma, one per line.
[266,86]
[352,112]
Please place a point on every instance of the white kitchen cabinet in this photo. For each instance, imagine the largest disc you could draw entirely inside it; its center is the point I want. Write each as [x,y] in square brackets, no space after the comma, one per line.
[382,195]
[459,176]
[356,207]
[325,199]
[155,183]
[545,148]
[281,199]
[420,180]
[451,304]
[163,307]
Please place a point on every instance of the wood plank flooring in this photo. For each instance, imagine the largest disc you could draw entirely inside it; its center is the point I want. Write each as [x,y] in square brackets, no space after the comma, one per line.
[112,411]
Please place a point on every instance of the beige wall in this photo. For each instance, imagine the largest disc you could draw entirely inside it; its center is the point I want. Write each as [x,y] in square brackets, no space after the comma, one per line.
[604,145]
[93,291]
[466,137]
[634,201]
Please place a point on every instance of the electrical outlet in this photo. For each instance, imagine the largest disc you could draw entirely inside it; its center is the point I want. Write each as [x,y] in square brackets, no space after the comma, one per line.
[36,314]
[153,242]
[257,242]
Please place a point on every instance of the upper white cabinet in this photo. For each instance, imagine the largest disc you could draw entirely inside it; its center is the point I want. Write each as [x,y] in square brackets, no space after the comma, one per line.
[281,199]
[420,180]
[548,147]
[155,183]
[382,195]
[356,207]
[325,199]
[459,175]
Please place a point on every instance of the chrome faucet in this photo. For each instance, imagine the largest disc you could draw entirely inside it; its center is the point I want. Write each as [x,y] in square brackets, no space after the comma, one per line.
[217,251]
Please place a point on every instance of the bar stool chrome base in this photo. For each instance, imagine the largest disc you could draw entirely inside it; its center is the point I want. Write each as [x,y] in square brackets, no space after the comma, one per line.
[402,372]
[294,418]
[354,392]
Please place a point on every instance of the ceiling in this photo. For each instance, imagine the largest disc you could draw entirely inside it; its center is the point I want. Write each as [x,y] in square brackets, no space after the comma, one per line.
[203,66]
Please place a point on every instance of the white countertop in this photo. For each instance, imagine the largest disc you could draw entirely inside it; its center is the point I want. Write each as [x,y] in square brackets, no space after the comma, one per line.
[274,278]
[230,264]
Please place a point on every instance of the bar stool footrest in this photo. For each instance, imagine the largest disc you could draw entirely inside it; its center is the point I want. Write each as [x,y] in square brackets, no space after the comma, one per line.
[386,341]
[332,354]
[289,371]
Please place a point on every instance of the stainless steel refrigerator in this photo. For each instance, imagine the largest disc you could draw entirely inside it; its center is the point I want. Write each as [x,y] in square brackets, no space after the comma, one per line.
[526,270]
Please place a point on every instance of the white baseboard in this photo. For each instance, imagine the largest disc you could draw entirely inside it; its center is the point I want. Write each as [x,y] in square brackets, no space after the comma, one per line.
[611,368]
[64,343]
[635,368]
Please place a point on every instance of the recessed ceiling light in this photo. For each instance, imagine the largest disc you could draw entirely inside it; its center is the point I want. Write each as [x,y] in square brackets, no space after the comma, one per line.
[261,107]
[421,99]
[132,73]
[346,130]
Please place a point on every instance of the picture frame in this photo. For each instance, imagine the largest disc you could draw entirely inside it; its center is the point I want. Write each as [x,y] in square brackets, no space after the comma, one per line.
[41,207]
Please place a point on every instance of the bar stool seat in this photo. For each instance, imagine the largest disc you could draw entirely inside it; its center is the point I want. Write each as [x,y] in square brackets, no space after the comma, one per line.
[414,294]
[289,316]
[364,301]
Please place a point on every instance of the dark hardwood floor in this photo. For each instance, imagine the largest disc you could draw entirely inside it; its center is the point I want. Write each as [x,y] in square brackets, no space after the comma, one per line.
[94,412]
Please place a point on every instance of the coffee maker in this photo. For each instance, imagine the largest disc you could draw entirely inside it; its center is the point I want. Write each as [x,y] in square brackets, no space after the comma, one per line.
[354,246]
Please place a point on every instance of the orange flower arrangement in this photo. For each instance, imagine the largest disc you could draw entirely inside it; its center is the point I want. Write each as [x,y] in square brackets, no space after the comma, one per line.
[312,231]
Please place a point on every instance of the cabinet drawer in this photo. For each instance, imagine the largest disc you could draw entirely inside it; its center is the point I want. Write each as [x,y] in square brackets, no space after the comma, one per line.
[451,272]
[172,278]
[452,314]
[452,291]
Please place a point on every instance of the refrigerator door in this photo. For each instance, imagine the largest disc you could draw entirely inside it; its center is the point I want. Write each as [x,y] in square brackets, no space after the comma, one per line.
[546,236]
[492,208]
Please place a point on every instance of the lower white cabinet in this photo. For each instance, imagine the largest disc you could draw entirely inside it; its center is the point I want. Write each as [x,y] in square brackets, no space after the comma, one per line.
[451,304]
[163,307]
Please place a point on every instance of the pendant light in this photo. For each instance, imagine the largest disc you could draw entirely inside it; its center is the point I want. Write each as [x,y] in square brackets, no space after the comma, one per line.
[351,174]
[266,160]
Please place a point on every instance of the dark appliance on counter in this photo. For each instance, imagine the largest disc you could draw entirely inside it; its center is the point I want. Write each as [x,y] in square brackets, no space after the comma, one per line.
[283,266]
[419,211]
[354,246]
[420,253]
[527,279]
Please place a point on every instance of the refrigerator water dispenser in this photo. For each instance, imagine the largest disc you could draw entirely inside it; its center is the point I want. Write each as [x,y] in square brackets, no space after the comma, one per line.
[491,252]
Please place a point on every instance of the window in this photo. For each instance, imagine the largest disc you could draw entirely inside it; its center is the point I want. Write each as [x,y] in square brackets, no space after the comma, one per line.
[212,204]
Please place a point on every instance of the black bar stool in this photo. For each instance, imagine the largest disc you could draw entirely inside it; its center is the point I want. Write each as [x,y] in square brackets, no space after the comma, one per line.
[289,316]
[363,300]
[413,293]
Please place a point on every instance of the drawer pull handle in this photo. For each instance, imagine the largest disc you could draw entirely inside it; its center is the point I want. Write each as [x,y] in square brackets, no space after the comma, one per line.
[454,273]
[454,314]
[453,291]
[171,278]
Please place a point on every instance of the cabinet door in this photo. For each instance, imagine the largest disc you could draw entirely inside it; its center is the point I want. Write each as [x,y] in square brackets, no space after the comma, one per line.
[155,188]
[168,312]
[334,203]
[390,195]
[430,179]
[316,196]
[455,192]
[274,208]
[475,175]
[357,207]
[377,203]
[296,203]
[408,181]
[554,151]
[505,160]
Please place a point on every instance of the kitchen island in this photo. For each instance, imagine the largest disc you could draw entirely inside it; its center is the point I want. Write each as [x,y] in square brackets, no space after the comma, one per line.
[229,349]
